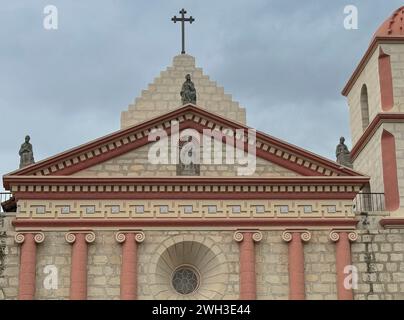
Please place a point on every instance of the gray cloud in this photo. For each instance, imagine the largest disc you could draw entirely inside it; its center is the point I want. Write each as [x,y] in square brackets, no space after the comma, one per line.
[285,61]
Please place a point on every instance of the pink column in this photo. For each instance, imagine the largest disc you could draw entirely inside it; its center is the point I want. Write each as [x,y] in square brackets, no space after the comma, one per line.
[129,242]
[27,276]
[78,273]
[343,258]
[248,284]
[389,166]
[296,262]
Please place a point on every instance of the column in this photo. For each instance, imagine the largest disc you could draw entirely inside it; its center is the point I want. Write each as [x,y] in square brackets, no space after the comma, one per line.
[129,241]
[343,259]
[78,273]
[295,238]
[27,276]
[248,282]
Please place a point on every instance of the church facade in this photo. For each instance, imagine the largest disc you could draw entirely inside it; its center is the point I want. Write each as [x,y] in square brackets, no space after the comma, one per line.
[124,217]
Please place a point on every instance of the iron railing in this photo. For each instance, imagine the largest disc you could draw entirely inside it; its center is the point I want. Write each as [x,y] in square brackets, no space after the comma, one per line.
[368,202]
[4,196]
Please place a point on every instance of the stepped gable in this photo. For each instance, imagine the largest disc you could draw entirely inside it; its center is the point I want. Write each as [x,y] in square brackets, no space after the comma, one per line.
[163,95]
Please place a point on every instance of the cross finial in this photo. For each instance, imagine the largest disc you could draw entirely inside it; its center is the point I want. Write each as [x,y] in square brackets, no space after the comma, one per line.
[183,12]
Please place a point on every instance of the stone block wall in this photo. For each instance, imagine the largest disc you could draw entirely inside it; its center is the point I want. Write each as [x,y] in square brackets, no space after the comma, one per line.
[136,163]
[9,258]
[370,77]
[397,130]
[378,254]
[163,95]
[320,271]
[396,52]
[369,161]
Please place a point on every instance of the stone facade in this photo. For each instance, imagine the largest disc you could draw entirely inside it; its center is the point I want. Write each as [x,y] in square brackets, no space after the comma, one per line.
[370,77]
[287,235]
[164,95]
[369,162]
[378,255]
[369,159]
[9,259]
[137,164]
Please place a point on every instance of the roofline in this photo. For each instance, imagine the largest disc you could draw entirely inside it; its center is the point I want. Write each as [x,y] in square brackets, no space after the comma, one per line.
[178,180]
[159,119]
[379,119]
[369,52]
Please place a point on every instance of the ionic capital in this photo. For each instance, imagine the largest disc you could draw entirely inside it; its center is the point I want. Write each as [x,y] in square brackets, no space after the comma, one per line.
[71,236]
[239,235]
[120,236]
[352,235]
[305,235]
[39,237]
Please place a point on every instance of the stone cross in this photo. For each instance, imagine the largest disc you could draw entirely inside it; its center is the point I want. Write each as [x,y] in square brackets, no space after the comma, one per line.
[183,20]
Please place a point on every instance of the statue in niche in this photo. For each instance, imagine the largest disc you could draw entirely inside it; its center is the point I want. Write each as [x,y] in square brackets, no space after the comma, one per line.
[190,167]
[26,153]
[343,154]
[188,92]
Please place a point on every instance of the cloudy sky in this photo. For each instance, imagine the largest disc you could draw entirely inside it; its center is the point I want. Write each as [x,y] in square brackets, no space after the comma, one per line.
[284,61]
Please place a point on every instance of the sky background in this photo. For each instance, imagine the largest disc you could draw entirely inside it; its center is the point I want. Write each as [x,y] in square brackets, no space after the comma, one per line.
[286,62]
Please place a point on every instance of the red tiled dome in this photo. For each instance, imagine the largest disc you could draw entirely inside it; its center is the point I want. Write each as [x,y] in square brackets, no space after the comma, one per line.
[393,26]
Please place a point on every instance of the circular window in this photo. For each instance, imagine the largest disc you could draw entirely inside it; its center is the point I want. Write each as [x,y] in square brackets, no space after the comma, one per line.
[185,280]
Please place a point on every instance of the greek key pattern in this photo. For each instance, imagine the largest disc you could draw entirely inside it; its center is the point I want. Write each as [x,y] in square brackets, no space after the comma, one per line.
[62,209]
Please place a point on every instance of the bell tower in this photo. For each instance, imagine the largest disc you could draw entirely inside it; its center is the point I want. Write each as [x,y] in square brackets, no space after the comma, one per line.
[375,94]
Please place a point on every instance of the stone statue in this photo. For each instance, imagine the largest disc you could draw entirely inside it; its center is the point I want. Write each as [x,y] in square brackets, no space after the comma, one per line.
[188,92]
[26,153]
[343,154]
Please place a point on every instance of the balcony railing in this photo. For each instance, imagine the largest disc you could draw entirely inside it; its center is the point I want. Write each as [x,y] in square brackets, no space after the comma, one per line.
[4,196]
[368,202]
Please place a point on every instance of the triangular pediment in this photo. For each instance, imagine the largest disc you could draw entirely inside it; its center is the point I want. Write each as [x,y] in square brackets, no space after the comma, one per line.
[269,150]
[141,162]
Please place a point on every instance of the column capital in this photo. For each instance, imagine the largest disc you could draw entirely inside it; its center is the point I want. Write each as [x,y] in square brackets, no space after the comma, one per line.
[305,235]
[39,236]
[120,236]
[239,235]
[352,235]
[71,236]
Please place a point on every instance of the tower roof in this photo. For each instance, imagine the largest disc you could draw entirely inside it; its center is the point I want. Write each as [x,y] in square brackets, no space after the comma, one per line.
[393,26]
